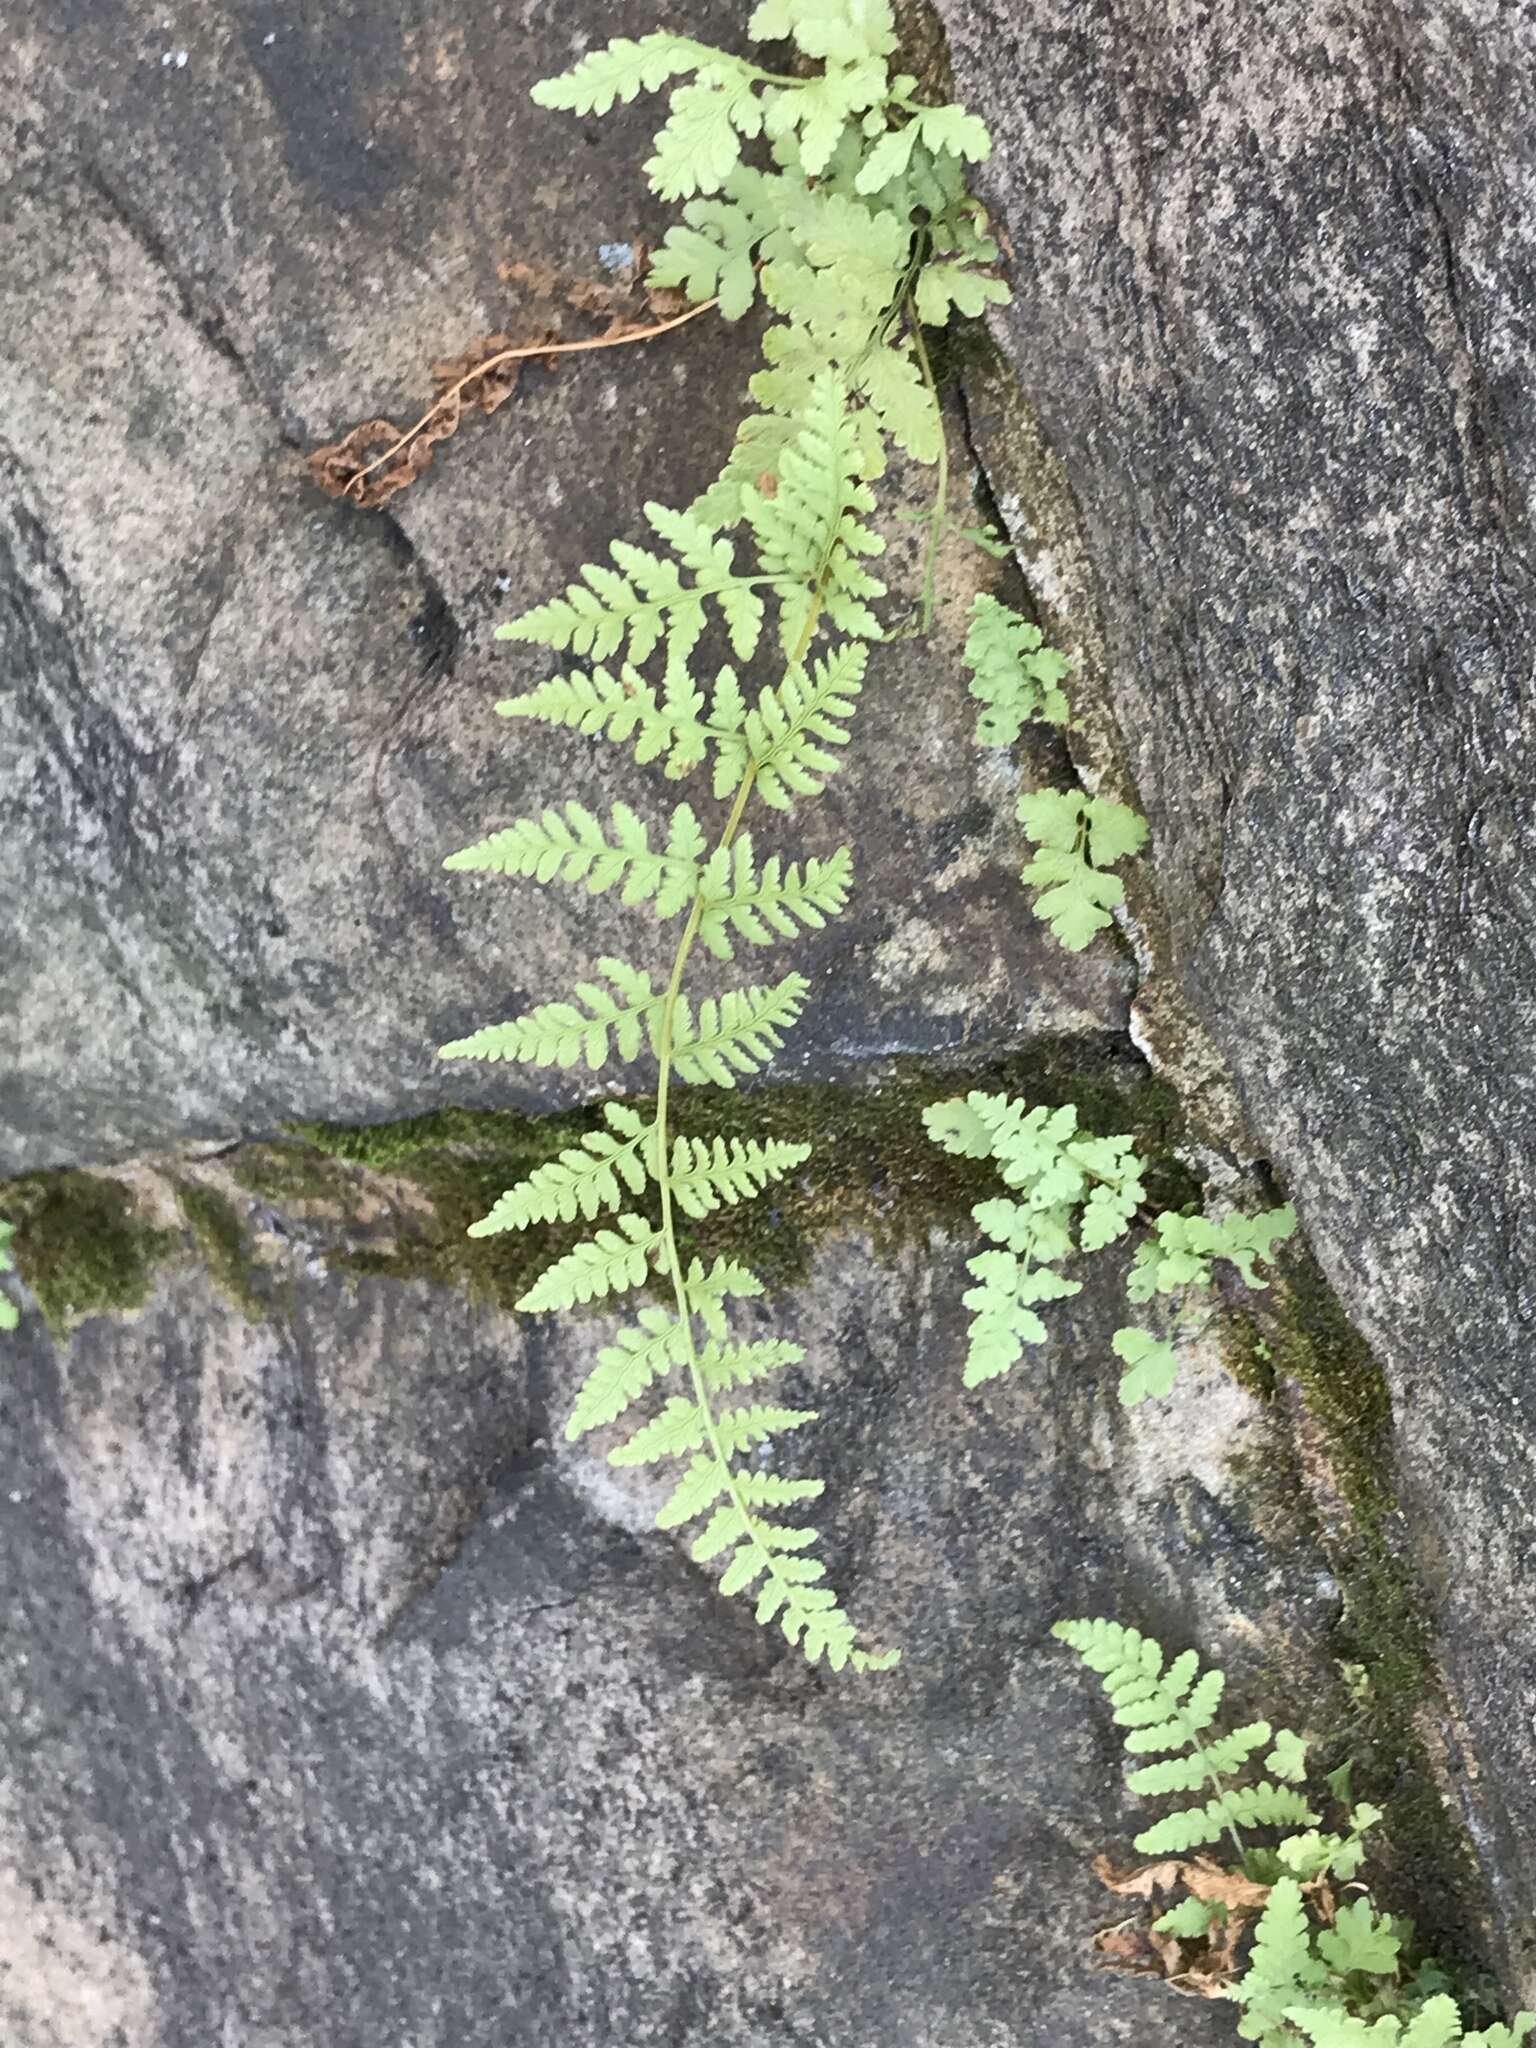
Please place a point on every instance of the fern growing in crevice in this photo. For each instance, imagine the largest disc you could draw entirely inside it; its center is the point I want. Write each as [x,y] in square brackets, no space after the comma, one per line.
[1069,1194]
[1321,1968]
[855,229]
[10,1315]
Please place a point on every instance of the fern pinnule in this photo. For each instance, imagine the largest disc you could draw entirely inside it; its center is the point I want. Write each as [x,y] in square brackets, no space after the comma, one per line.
[583,1180]
[742,903]
[560,1034]
[711,1173]
[611,1262]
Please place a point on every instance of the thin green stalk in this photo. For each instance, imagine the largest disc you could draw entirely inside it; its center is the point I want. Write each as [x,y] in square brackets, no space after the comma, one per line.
[663,1166]
[940,510]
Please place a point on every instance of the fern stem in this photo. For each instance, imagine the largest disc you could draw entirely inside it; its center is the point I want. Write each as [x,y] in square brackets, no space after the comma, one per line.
[941,495]
[663,1169]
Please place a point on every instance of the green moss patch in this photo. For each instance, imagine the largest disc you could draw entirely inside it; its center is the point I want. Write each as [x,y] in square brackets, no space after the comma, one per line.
[81,1245]
[220,1240]
[1299,1332]
[872,1167]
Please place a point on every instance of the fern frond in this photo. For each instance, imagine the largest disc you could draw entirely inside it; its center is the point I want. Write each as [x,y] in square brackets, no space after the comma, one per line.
[1151,1366]
[618,71]
[785,738]
[700,143]
[809,532]
[1186,1247]
[708,1174]
[1013,675]
[586,1178]
[575,848]
[725,1366]
[611,1262]
[735,1034]
[621,708]
[639,1356]
[1080,838]
[773,904]
[707,1289]
[1002,1318]
[846,31]
[645,599]
[1244,1806]
[560,1034]
[1282,1970]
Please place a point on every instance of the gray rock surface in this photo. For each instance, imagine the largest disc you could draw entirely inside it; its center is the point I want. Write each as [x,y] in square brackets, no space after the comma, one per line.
[1276,274]
[245,724]
[343,1701]
[359,1707]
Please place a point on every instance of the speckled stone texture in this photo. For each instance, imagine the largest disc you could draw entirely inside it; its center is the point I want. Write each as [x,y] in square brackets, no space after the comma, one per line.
[1276,269]
[245,724]
[341,1702]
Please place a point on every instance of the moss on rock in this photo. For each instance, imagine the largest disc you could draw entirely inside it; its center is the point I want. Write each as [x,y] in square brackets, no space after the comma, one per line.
[81,1245]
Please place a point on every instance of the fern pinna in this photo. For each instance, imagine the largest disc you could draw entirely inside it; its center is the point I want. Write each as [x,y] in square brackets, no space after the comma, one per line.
[855,229]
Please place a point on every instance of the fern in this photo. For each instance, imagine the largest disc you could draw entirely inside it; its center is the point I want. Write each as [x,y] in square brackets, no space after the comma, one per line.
[1014,676]
[1319,1970]
[856,188]
[1185,1248]
[1069,1192]
[1080,839]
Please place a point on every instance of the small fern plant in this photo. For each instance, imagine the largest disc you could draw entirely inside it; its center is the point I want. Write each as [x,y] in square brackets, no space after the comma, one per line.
[1081,840]
[855,228]
[1320,1969]
[1070,1194]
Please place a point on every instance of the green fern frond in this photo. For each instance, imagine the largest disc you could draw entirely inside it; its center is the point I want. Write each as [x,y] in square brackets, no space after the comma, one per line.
[1003,1320]
[1014,676]
[619,71]
[710,1173]
[1283,1972]
[611,1262]
[848,31]
[1186,1247]
[588,1177]
[725,1366]
[560,1034]
[645,600]
[735,1034]
[622,708]
[699,145]
[639,1356]
[774,904]
[1151,1366]
[785,739]
[1080,838]
[808,531]
[1191,1773]
[575,848]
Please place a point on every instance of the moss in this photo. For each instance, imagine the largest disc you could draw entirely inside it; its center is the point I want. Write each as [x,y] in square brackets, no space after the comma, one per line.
[291,1175]
[81,1245]
[872,1166]
[1299,1333]
[220,1239]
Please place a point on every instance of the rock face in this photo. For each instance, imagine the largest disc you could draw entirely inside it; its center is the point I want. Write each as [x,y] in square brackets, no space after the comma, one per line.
[359,1706]
[1274,318]
[342,1700]
[248,724]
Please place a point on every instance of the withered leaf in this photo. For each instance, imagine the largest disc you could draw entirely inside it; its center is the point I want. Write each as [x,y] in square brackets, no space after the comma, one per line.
[1128,1947]
[1138,1884]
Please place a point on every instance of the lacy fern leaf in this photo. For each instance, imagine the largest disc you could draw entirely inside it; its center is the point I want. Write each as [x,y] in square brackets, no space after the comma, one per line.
[1014,676]
[740,903]
[612,1262]
[712,1173]
[582,1181]
[1169,1708]
[1080,839]
[559,1034]
[574,847]
[10,1315]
